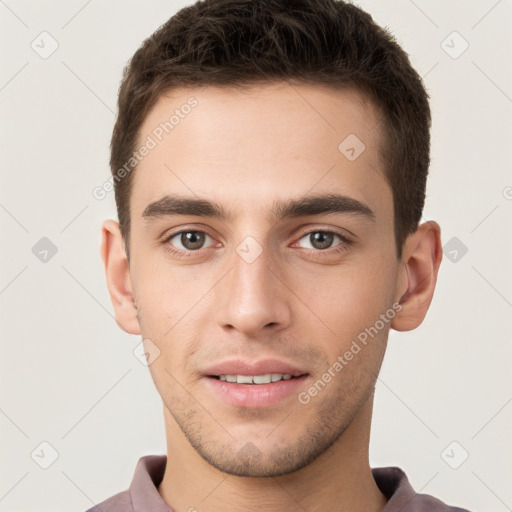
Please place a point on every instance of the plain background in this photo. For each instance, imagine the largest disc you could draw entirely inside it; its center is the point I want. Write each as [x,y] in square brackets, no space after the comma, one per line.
[68,373]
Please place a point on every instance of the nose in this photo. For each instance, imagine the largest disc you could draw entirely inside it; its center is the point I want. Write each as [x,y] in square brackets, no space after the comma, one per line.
[252,298]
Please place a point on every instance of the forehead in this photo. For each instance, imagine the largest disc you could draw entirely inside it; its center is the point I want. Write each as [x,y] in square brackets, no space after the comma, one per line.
[250,147]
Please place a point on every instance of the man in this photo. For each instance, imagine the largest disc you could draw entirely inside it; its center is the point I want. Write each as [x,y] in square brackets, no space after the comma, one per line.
[269,161]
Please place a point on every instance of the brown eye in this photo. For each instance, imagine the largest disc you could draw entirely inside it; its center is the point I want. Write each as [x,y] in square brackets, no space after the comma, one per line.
[320,239]
[189,240]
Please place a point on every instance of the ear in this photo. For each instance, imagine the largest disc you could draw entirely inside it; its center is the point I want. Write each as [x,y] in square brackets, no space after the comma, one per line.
[421,258]
[119,282]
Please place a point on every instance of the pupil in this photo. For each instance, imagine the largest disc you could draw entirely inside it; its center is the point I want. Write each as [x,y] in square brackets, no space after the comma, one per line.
[192,239]
[321,240]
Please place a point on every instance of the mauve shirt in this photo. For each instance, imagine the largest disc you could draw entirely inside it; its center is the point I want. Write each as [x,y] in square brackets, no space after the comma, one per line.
[143,496]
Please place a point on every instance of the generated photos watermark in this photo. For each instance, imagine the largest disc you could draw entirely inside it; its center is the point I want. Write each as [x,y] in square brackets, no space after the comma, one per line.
[355,348]
[157,135]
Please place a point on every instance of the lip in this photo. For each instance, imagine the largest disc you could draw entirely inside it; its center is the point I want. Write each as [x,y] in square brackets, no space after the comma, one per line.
[254,396]
[244,367]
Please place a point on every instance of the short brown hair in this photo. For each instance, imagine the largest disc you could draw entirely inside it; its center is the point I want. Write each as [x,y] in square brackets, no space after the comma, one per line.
[237,43]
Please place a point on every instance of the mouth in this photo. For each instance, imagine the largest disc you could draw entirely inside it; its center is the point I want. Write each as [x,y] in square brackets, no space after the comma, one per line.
[243,384]
[266,378]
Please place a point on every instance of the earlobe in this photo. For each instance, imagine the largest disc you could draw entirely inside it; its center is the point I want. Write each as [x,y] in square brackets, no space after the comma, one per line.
[422,254]
[117,271]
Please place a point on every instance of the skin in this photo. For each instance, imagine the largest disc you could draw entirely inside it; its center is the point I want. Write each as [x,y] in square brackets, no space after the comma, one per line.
[295,302]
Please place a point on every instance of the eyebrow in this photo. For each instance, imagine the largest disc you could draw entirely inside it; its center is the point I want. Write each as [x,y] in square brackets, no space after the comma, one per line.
[170,205]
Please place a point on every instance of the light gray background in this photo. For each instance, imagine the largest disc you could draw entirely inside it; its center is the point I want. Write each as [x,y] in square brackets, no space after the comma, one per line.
[68,373]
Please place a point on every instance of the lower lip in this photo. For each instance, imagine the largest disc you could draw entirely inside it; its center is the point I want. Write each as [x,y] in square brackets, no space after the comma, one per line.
[255,396]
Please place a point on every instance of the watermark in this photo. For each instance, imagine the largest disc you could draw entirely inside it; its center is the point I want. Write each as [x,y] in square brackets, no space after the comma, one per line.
[454,45]
[455,455]
[351,147]
[362,338]
[44,250]
[44,45]
[455,249]
[44,455]
[146,352]
[152,140]
[249,249]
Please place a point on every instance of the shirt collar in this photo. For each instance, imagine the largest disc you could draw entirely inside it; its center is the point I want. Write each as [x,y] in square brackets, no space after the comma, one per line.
[144,487]
[392,482]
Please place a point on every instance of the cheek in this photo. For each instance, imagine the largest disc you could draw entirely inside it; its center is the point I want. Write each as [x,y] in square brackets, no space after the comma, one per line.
[172,313]
[166,295]
[350,297]
[355,310]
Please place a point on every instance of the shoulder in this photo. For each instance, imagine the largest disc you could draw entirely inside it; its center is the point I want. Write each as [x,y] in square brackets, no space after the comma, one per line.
[120,502]
[427,503]
[395,486]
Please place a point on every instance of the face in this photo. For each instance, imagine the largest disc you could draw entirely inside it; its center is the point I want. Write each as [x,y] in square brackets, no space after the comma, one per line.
[262,245]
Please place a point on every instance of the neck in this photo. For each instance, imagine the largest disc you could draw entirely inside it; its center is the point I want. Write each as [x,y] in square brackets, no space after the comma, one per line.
[338,480]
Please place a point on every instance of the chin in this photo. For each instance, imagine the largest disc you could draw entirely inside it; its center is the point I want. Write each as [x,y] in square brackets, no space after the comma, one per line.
[269,461]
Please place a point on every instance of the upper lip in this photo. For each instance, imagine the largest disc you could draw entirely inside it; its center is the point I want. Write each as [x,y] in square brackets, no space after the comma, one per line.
[245,367]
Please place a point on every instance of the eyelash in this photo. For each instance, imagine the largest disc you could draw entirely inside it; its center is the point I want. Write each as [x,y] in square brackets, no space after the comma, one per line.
[332,251]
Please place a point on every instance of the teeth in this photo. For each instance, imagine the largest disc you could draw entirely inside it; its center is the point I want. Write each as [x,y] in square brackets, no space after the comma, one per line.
[267,378]
[262,379]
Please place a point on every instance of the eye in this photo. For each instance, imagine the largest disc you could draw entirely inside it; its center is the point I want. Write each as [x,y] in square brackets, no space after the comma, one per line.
[188,240]
[322,239]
